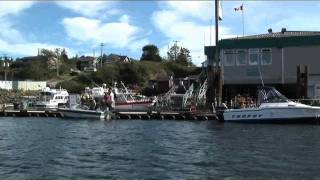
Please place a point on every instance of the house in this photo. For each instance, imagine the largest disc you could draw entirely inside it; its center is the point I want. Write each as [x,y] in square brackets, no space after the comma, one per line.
[86,62]
[271,58]
[113,58]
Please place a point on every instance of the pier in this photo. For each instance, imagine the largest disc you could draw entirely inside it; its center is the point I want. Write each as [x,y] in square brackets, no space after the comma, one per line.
[120,115]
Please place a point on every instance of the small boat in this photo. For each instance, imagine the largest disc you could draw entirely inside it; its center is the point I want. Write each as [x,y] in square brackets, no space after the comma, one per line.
[52,98]
[273,107]
[79,113]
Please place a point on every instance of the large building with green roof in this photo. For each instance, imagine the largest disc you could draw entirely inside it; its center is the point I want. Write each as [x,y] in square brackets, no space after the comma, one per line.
[275,55]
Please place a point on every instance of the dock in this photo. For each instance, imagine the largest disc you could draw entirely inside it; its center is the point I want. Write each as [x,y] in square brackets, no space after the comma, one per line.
[120,115]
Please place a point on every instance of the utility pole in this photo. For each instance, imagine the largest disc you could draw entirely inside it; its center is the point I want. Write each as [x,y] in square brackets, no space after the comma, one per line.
[218,63]
[101,45]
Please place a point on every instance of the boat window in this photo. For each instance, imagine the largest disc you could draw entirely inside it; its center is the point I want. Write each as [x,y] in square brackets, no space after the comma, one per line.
[254,115]
[229,57]
[270,95]
[266,56]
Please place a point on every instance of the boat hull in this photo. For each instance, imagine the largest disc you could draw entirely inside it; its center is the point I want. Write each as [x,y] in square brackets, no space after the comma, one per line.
[81,114]
[133,106]
[274,115]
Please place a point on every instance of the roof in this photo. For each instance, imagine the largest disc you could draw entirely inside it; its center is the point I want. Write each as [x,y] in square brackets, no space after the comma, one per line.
[280,35]
[273,39]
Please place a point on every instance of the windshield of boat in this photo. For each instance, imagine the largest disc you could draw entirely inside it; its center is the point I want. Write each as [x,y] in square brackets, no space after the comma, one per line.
[270,95]
[45,96]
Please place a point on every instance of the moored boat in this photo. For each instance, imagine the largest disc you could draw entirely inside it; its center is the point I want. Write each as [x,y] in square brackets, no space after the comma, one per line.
[79,113]
[52,98]
[273,107]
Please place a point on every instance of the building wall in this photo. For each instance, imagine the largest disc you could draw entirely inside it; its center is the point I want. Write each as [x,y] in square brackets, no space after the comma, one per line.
[249,74]
[23,85]
[283,69]
[7,85]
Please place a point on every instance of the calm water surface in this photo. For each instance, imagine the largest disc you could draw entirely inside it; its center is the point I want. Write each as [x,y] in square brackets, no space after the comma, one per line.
[55,148]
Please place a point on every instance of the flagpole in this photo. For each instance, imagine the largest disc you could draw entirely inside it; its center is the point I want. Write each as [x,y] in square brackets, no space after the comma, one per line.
[242,21]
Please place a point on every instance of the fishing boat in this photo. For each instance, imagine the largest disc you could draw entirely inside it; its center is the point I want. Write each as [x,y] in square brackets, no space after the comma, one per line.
[52,98]
[273,107]
[76,112]
[125,99]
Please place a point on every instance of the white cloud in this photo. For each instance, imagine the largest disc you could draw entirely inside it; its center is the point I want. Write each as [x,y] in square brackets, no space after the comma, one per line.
[114,34]
[124,18]
[90,8]
[176,24]
[28,48]
[11,40]
[203,10]
[13,7]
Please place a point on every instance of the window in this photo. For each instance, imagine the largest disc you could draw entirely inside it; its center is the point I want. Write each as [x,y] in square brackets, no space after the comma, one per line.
[229,58]
[241,57]
[266,58]
[254,56]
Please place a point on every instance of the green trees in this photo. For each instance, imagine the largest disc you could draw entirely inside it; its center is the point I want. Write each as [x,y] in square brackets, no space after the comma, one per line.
[180,55]
[150,53]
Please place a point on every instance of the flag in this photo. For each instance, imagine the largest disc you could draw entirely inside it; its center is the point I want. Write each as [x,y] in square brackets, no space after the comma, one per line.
[220,10]
[240,8]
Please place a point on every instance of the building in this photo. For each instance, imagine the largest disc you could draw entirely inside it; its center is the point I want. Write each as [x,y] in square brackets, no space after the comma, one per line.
[113,58]
[23,85]
[87,62]
[271,58]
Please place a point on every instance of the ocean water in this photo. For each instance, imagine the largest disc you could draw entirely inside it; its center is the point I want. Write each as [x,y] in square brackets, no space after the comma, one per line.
[51,148]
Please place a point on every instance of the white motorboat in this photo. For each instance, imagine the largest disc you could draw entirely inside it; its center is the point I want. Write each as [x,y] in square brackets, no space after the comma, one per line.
[78,113]
[52,98]
[273,107]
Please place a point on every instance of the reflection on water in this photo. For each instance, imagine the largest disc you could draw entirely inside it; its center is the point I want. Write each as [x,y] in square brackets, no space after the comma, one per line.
[56,148]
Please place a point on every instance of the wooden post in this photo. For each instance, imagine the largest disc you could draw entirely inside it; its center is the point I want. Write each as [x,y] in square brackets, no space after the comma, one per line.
[298,93]
[305,82]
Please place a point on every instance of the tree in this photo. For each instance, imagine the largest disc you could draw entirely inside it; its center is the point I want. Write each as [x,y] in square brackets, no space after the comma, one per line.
[179,55]
[150,53]
[184,57]
[173,52]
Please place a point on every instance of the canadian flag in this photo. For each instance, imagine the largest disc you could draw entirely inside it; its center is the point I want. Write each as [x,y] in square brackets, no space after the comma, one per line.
[240,8]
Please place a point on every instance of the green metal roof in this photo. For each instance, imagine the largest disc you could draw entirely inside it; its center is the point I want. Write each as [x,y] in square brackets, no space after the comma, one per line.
[286,39]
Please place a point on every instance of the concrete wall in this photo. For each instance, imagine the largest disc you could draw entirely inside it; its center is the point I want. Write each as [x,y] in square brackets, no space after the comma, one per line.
[23,85]
[7,85]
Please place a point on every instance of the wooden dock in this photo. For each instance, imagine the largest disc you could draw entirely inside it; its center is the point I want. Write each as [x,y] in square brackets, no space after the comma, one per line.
[166,116]
[120,115]
[29,113]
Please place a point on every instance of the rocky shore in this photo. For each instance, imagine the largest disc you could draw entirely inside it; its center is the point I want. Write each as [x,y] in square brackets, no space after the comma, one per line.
[15,96]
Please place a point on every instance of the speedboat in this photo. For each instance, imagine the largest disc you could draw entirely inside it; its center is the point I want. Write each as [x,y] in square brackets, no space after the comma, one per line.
[76,112]
[52,98]
[273,107]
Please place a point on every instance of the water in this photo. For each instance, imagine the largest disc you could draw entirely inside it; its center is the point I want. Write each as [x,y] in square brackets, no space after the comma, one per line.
[55,148]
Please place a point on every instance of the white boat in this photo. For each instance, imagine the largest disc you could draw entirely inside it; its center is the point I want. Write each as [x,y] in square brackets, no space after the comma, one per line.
[273,107]
[78,113]
[52,98]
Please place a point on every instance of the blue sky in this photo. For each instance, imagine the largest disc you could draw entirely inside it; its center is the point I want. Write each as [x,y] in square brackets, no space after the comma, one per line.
[126,26]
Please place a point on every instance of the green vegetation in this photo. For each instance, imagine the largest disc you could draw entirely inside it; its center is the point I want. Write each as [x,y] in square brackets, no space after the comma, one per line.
[135,74]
